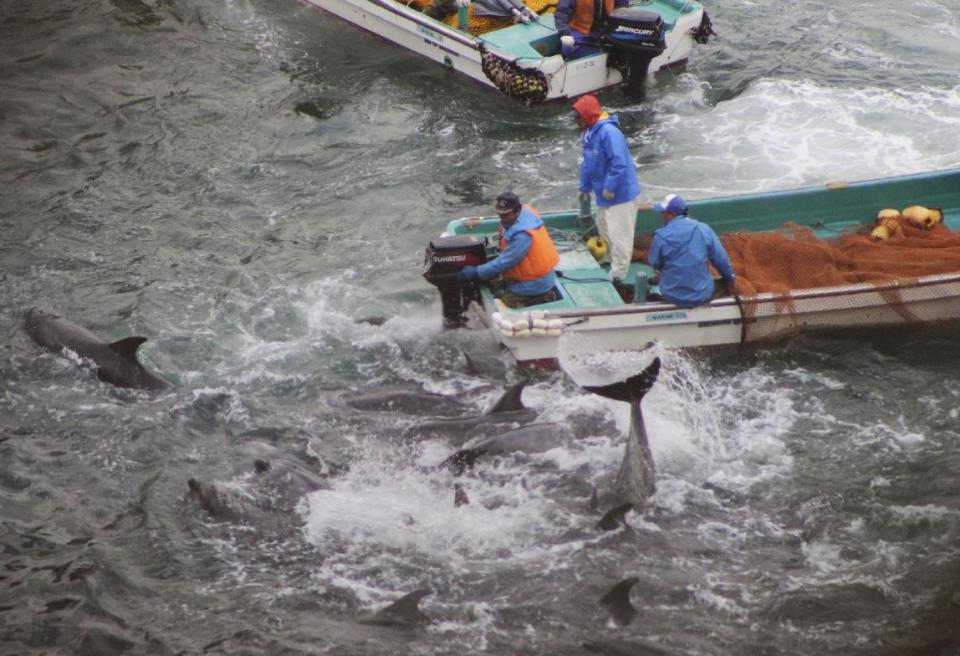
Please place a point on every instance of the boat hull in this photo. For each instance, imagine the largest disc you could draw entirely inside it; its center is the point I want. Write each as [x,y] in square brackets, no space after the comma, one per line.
[461,52]
[591,318]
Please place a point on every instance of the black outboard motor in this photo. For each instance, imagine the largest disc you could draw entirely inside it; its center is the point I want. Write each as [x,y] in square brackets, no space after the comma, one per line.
[633,37]
[444,257]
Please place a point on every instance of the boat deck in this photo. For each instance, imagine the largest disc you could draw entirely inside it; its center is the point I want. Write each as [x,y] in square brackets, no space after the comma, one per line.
[540,39]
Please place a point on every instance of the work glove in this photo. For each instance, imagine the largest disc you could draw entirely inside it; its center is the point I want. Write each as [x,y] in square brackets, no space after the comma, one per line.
[467,273]
[608,194]
[566,42]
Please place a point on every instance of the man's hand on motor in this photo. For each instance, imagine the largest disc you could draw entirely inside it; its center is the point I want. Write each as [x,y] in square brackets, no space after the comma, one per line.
[467,273]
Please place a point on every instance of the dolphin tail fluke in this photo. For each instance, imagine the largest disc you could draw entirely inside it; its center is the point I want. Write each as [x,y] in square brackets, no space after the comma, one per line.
[510,400]
[127,347]
[631,389]
[617,602]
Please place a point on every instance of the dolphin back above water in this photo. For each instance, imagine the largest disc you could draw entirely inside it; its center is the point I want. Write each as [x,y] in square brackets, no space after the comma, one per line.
[636,479]
[116,362]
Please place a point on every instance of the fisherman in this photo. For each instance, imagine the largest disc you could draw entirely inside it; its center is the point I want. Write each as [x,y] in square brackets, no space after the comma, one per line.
[580,24]
[526,260]
[680,251]
[609,172]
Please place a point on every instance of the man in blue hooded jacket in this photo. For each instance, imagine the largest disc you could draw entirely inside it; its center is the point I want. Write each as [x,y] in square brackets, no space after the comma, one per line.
[680,251]
[609,172]
[527,256]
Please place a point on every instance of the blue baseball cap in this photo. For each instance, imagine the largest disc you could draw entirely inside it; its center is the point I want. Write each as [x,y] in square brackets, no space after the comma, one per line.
[672,203]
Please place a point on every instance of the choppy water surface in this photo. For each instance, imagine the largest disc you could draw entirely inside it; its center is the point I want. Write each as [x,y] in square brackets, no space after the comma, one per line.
[242,181]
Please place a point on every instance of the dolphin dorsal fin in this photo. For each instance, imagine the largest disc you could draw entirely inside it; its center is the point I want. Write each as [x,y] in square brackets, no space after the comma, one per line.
[510,400]
[631,389]
[617,601]
[405,610]
[127,347]
[615,517]
[460,497]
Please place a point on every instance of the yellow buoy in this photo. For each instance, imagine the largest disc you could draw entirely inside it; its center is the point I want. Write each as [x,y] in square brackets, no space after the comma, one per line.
[597,247]
[887,214]
[918,215]
[881,232]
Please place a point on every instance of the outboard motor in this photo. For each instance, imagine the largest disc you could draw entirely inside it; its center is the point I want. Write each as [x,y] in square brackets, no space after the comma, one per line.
[633,37]
[444,257]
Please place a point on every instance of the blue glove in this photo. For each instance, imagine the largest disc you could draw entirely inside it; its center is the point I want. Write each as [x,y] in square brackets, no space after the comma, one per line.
[467,273]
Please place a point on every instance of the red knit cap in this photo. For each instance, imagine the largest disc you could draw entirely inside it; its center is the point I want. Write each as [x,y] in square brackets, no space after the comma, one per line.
[588,107]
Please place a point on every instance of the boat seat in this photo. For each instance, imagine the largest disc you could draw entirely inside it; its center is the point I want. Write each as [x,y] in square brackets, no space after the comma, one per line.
[526,40]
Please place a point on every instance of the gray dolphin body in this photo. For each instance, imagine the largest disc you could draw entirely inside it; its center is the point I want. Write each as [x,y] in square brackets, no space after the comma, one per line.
[508,409]
[636,479]
[116,362]
[532,438]
[275,484]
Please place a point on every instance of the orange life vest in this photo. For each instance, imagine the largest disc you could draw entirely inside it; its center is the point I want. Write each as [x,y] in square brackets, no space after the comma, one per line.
[584,13]
[540,259]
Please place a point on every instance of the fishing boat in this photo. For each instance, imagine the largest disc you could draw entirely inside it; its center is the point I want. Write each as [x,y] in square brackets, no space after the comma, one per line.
[836,264]
[515,47]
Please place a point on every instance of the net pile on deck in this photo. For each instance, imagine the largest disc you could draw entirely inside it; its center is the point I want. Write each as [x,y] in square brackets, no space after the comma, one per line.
[793,257]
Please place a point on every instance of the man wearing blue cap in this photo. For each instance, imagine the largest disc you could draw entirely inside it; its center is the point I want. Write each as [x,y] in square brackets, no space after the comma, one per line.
[680,251]
[527,256]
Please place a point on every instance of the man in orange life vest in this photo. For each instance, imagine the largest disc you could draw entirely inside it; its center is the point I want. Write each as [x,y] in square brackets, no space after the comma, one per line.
[527,256]
[580,24]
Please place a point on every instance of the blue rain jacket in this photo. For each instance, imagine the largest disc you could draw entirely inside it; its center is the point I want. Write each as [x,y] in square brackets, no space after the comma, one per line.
[518,244]
[607,164]
[680,251]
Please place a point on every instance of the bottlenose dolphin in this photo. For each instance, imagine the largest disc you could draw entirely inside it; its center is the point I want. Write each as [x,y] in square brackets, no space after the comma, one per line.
[404,399]
[404,612]
[116,362]
[617,602]
[615,517]
[274,484]
[508,409]
[636,479]
[532,438]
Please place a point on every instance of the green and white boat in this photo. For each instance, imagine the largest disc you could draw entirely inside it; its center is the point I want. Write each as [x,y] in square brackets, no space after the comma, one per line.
[520,54]
[591,316]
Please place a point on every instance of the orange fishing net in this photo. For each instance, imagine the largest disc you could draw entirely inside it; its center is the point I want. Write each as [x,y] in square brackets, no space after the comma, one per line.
[891,253]
[795,258]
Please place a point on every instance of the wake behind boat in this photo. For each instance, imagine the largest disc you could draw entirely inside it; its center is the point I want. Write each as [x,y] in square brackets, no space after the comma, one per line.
[845,255]
[515,47]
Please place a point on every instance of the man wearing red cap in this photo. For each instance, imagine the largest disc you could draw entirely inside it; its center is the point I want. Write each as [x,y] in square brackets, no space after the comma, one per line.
[608,171]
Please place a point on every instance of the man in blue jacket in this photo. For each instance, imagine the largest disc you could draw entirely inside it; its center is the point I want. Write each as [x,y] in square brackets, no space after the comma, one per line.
[680,251]
[608,171]
[527,256]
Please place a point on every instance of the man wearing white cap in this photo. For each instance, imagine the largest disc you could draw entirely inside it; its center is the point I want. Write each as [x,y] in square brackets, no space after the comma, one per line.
[680,251]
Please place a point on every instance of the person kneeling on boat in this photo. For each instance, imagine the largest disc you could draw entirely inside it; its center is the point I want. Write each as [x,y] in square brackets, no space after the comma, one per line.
[526,260]
[680,251]
[580,24]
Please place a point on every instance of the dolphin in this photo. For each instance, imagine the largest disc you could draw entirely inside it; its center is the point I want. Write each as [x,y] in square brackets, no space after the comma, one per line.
[274,484]
[636,479]
[508,409]
[403,399]
[116,362]
[617,602]
[615,517]
[404,612]
[532,438]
